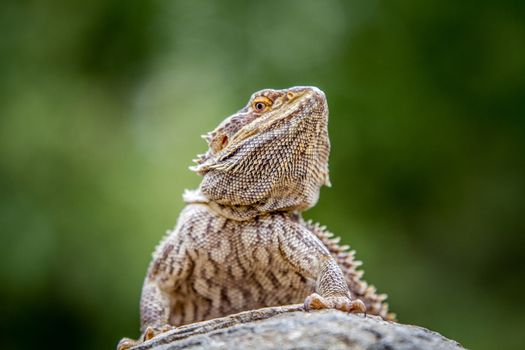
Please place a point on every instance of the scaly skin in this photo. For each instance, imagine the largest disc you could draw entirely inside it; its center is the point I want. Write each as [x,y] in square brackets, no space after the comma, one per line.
[241,243]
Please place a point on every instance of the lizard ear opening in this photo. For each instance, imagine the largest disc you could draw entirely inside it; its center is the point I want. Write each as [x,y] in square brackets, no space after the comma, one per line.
[224,141]
[218,142]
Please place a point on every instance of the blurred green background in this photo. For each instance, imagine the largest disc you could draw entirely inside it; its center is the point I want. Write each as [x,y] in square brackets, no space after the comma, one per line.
[101,108]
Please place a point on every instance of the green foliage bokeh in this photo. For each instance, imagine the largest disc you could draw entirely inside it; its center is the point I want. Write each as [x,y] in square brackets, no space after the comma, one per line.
[101,108]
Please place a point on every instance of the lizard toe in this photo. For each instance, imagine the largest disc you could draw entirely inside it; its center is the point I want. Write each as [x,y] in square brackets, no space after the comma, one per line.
[343,303]
[126,343]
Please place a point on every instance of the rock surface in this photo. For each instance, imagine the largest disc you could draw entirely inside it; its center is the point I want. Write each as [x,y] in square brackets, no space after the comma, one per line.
[290,327]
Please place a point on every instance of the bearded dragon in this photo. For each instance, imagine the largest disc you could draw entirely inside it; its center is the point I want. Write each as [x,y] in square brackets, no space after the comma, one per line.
[241,243]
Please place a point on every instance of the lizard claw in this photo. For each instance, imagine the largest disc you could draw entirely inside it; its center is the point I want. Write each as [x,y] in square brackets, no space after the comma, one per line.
[149,333]
[127,343]
[343,303]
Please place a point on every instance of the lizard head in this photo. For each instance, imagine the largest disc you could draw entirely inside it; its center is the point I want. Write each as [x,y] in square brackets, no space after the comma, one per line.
[272,154]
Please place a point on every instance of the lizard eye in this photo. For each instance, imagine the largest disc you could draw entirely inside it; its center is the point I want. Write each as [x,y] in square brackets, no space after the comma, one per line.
[261,104]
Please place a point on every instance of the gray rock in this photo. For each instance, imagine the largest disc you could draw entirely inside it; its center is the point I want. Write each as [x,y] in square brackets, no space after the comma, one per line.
[290,327]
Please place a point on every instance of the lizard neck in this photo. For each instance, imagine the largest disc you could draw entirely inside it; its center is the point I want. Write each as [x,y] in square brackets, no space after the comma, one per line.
[236,212]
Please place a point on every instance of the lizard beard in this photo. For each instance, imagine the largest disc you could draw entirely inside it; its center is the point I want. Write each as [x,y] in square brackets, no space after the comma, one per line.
[280,169]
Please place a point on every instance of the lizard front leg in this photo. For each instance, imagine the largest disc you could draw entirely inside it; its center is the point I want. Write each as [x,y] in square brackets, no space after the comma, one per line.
[171,265]
[155,314]
[310,257]
[331,291]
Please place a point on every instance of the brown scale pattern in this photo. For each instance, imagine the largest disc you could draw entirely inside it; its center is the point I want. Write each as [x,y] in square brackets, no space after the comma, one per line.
[240,243]
[231,266]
